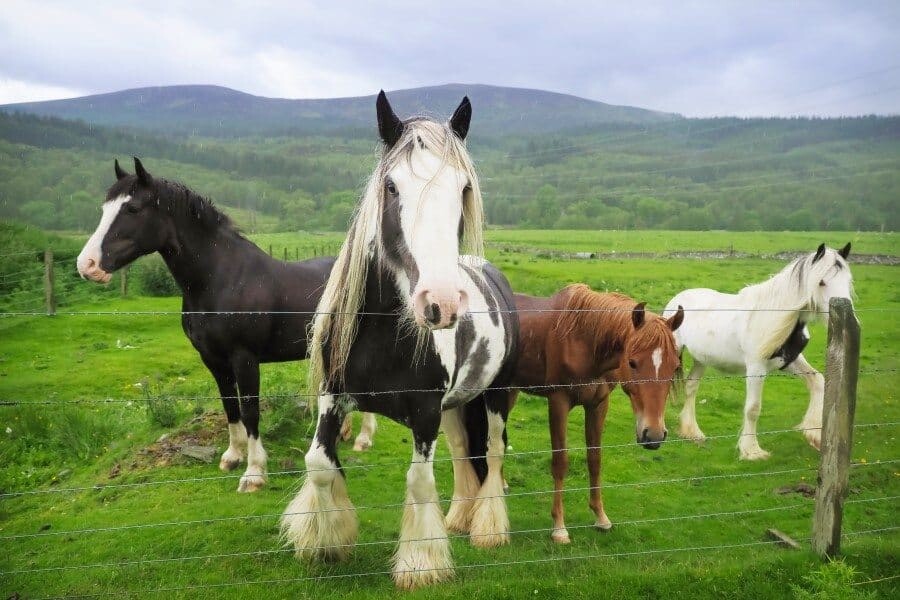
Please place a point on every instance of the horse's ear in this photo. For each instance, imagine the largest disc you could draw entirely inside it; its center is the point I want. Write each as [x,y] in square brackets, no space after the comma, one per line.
[461,118]
[142,174]
[677,319]
[637,314]
[820,252]
[845,251]
[390,127]
[120,172]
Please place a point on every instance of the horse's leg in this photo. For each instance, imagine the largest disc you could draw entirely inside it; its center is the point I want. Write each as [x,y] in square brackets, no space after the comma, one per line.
[559,408]
[320,522]
[748,444]
[347,427]
[594,421]
[689,427]
[237,433]
[465,480]
[811,425]
[423,554]
[490,520]
[246,369]
[512,395]
[366,432]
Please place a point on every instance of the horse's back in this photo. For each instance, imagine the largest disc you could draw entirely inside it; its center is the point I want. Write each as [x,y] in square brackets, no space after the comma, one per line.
[713,326]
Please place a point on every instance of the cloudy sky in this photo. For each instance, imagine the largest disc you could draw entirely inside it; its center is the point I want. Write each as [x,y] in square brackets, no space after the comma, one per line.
[695,58]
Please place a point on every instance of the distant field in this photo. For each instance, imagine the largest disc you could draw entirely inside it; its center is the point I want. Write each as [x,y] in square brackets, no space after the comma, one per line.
[116,361]
[657,242]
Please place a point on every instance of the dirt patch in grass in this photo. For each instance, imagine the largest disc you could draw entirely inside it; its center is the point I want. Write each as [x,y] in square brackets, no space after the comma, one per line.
[203,431]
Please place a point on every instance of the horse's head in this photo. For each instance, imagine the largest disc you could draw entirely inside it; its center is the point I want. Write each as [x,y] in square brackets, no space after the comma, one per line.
[827,276]
[131,225]
[430,201]
[649,363]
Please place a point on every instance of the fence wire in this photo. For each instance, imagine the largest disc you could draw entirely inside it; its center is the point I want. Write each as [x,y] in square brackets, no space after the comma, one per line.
[400,463]
[395,505]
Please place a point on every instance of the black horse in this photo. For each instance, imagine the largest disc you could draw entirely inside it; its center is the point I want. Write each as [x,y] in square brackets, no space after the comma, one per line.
[240,307]
[409,329]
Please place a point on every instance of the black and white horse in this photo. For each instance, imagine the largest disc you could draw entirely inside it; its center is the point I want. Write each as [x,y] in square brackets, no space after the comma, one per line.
[409,329]
[219,272]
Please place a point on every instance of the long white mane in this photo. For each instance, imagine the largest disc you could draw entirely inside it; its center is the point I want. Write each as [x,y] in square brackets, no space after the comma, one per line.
[336,318]
[793,293]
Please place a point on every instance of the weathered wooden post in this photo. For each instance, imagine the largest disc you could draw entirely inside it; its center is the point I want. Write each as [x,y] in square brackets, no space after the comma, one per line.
[123,282]
[49,298]
[841,372]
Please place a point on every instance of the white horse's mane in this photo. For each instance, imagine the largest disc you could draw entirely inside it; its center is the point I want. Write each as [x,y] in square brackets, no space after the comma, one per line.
[336,314]
[791,294]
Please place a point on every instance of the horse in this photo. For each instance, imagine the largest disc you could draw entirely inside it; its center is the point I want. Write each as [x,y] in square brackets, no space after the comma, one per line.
[240,307]
[758,330]
[410,329]
[574,348]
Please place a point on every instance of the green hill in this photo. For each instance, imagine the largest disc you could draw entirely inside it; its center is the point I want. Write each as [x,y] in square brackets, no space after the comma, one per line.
[662,172]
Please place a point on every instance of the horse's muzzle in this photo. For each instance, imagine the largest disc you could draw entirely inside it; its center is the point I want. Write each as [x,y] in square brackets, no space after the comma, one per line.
[89,269]
[652,440]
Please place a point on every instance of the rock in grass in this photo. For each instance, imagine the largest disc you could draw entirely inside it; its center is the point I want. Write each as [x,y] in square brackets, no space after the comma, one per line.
[201,453]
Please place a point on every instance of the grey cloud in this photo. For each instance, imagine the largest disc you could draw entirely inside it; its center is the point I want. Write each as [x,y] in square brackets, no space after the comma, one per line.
[697,58]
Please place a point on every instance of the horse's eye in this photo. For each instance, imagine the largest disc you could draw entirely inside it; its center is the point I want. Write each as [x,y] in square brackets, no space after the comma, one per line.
[822,283]
[632,364]
[391,188]
[132,208]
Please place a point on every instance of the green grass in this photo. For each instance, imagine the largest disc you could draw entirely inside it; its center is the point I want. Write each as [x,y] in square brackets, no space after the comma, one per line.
[96,357]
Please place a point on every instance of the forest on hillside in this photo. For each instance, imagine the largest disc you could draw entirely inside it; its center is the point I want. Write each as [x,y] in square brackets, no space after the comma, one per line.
[694,174]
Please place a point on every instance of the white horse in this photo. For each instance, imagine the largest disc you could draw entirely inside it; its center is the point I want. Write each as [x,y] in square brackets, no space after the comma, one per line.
[758,330]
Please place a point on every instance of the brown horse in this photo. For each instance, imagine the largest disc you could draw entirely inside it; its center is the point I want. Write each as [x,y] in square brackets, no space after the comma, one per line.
[574,347]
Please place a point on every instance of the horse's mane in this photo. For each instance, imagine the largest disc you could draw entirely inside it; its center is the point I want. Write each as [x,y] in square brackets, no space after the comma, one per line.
[185,205]
[190,207]
[336,318]
[784,296]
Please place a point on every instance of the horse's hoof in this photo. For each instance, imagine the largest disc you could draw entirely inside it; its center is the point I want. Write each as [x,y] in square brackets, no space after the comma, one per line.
[251,483]
[692,433]
[603,526]
[229,465]
[755,454]
[560,536]
[813,437]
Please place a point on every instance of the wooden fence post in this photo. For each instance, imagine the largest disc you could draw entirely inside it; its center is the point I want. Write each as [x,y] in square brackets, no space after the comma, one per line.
[123,282]
[49,298]
[841,373]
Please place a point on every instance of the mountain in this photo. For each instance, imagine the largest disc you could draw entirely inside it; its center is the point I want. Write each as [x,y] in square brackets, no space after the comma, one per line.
[215,111]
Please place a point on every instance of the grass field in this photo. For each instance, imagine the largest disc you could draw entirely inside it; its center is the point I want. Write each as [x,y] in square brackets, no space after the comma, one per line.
[93,449]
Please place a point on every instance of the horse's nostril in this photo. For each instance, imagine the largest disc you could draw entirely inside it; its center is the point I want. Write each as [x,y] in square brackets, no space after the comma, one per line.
[90,263]
[433,313]
[644,433]
[665,433]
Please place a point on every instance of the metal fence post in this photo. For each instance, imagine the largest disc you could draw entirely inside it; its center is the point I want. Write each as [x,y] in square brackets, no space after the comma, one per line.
[841,373]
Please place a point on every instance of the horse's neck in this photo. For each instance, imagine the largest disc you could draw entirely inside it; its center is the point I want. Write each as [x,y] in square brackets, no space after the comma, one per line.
[197,259]
[780,292]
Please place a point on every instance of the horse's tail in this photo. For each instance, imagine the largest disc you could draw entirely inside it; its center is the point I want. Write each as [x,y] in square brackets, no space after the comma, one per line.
[676,390]
[476,424]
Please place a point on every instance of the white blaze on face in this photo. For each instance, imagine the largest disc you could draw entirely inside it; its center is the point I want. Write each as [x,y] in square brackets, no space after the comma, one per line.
[88,261]
[657,360]
[430,211]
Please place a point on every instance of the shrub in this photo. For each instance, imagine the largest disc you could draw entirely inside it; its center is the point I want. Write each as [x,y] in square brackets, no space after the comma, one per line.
[153,277]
